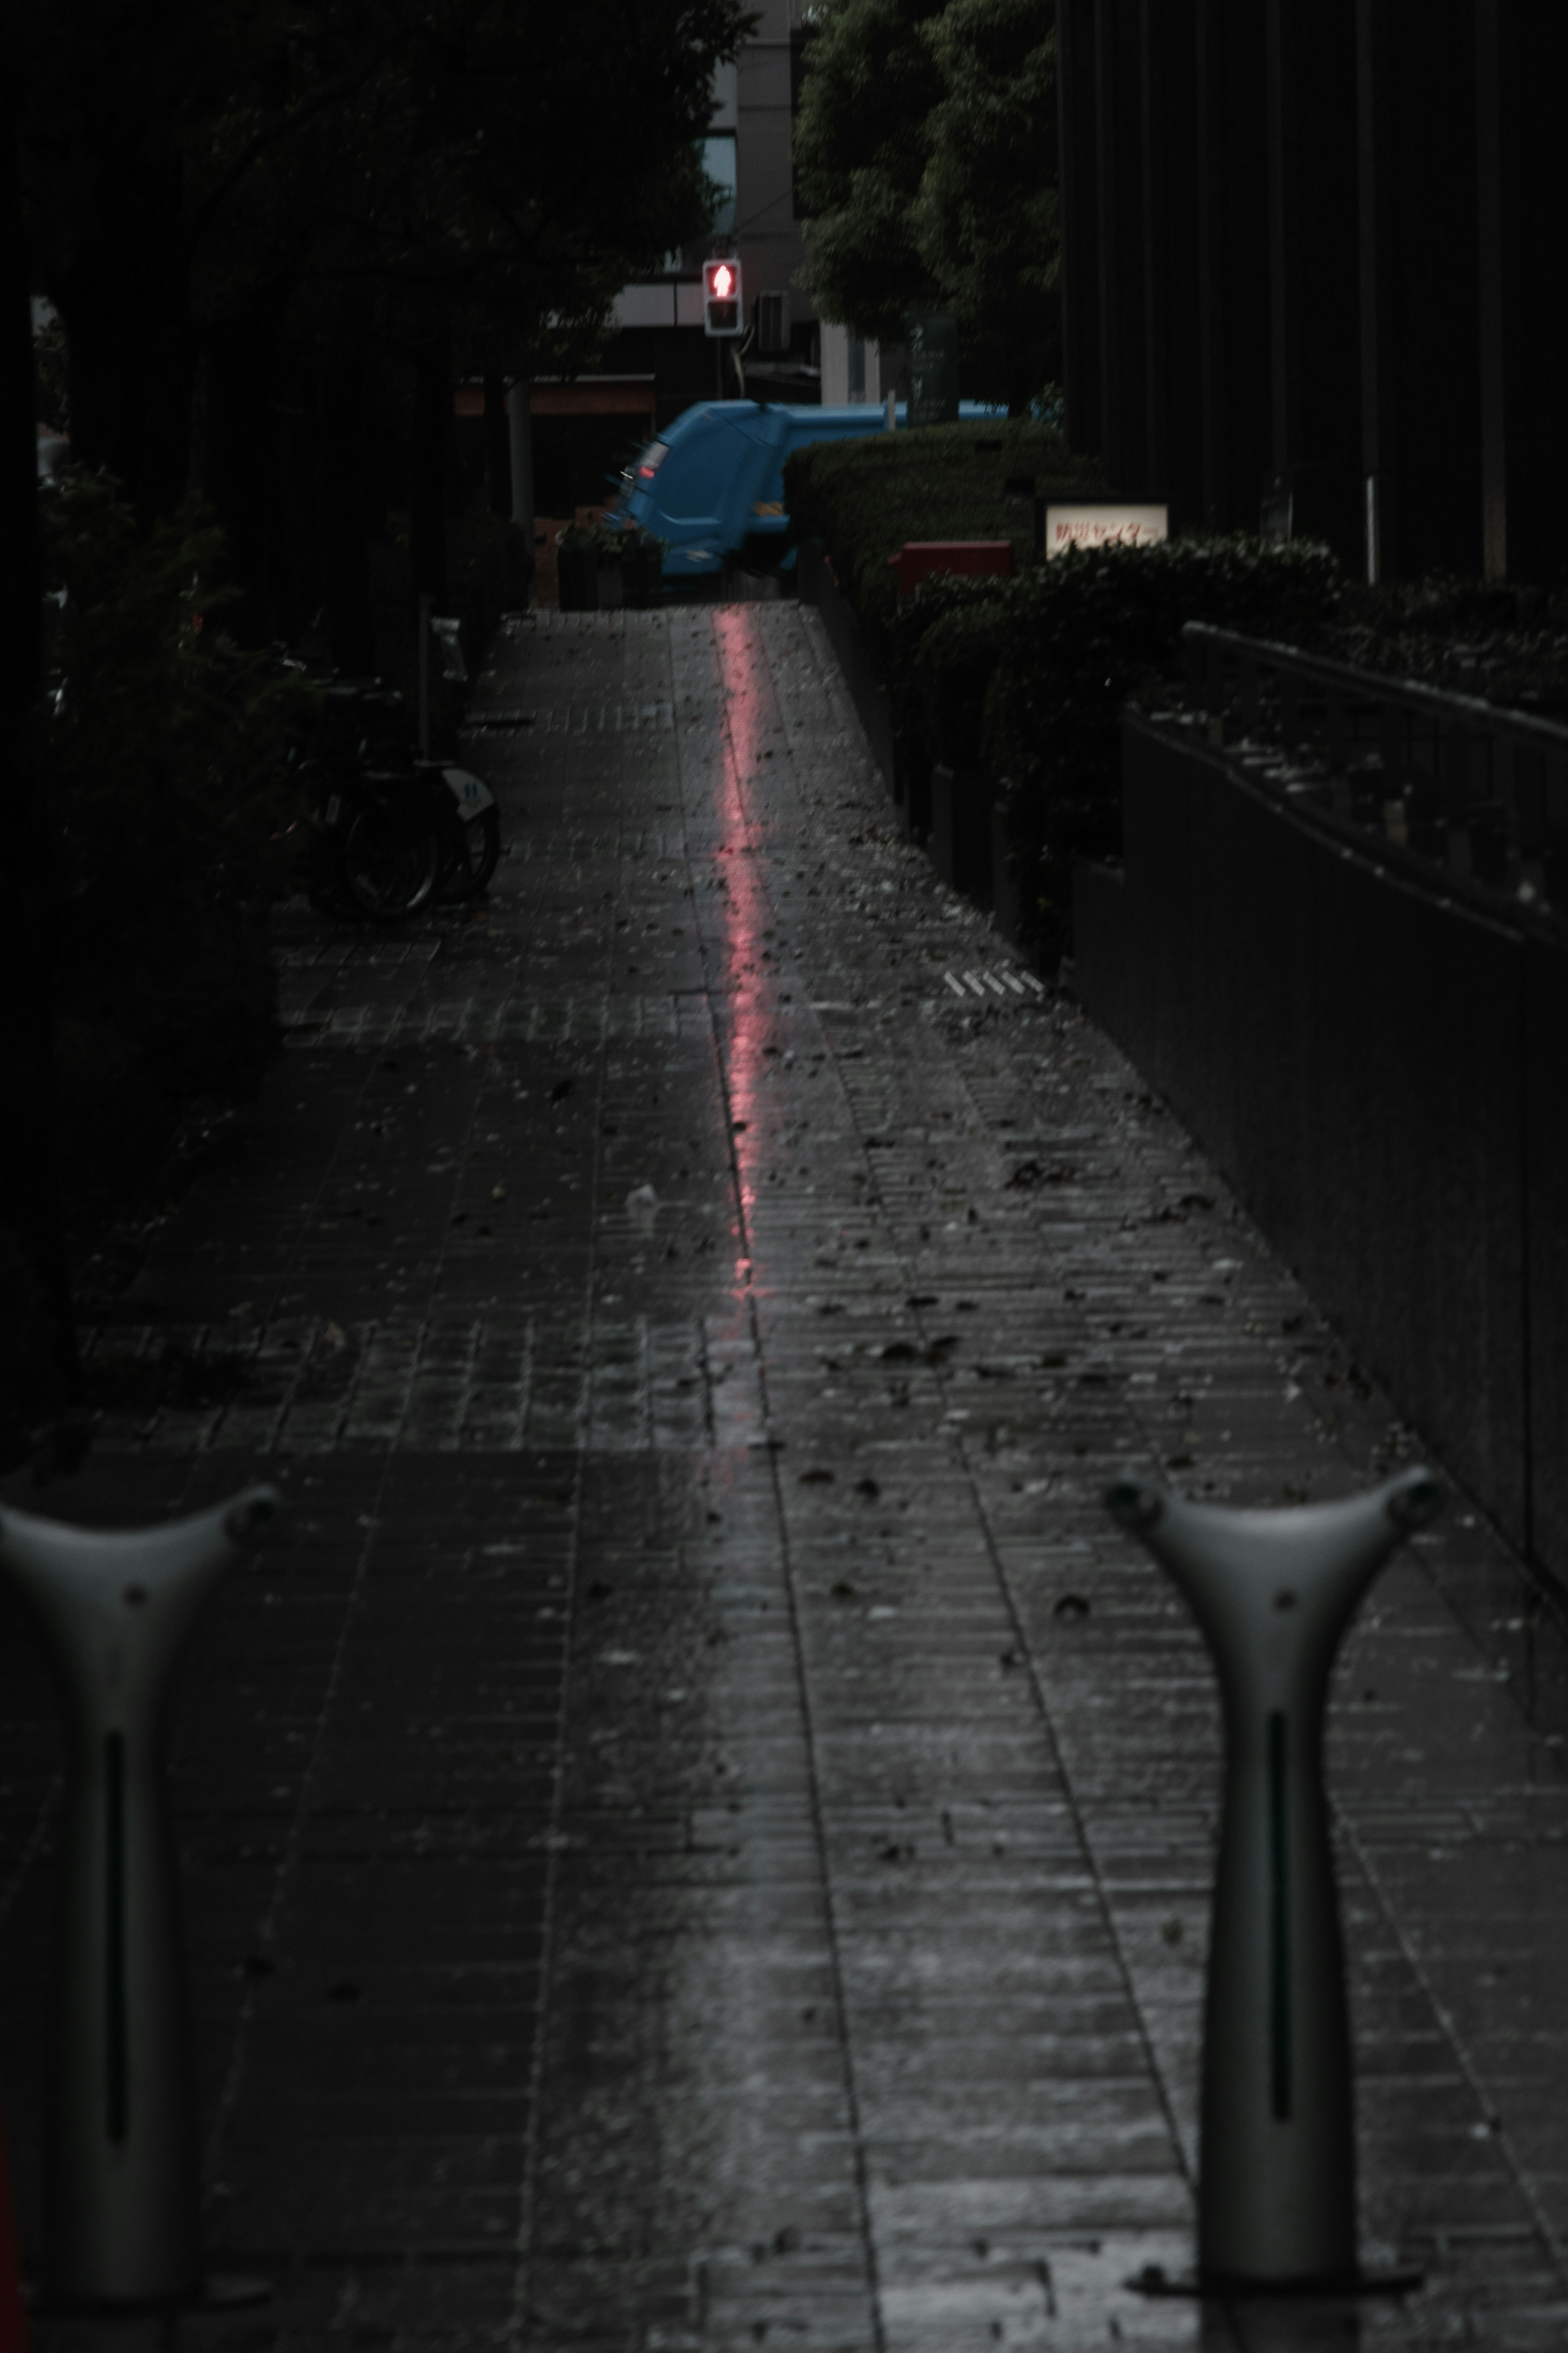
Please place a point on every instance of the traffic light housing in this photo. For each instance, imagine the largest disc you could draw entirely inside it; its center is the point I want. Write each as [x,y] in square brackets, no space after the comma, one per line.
[722,305]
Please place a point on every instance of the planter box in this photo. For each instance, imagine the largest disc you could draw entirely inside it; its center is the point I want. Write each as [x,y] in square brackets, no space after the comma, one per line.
[1382,1072]
[1006,899]
[960,843]
[967,559]
[577,573]
[949,810]
[912,792]
[1104,974]
[642,574]
[819,587]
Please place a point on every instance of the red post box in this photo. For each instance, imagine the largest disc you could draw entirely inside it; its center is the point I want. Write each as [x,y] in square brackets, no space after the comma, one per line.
[973,559]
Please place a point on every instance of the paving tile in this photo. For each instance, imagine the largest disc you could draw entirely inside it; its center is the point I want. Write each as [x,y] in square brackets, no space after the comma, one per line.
[698,1828]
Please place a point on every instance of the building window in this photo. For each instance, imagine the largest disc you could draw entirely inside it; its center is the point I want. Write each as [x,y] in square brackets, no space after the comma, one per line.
[718,162]
[773,322]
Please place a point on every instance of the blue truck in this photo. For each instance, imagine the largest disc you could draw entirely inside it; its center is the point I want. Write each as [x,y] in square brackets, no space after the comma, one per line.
[713,483]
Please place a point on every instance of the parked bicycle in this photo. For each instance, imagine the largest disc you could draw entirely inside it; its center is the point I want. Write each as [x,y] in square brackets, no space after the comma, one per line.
[393,834]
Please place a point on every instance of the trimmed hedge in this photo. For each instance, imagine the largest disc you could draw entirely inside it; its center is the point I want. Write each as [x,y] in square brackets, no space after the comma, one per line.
[956,642]
[1508,645]
[1025,679]
[863,499]
[1076,638]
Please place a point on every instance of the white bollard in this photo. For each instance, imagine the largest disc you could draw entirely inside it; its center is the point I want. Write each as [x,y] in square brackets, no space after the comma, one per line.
[122,2156]
[1273,1592]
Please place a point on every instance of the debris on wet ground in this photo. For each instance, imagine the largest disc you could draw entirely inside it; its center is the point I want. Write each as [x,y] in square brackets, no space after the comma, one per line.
[698,1829]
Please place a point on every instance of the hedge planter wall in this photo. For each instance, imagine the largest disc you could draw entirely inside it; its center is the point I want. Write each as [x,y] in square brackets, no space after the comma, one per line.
[1381,1069]
[861,499]
[819,586]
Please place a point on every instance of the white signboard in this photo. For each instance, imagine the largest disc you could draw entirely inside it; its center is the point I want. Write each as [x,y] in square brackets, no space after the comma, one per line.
[1104,526]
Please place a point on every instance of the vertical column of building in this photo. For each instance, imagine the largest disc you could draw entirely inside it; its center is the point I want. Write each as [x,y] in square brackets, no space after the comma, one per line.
[1168,157]
[1314,323]
[1315,246]
[767,237]
[1123,378]
[1233,261]
[1420,343]
[1078,180]
[1521,71]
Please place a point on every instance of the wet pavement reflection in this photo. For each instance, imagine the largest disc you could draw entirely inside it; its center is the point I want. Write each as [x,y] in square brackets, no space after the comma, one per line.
[699,1829]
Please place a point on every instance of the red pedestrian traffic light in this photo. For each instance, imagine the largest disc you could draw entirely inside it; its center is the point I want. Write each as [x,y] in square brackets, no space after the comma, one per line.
[722,298]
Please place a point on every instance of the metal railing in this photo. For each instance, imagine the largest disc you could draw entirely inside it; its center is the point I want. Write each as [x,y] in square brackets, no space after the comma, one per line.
[1480,789]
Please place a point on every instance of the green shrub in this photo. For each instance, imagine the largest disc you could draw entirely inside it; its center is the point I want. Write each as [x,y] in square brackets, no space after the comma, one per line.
[1075,638]
[1027,678]
[1488,638]
[163,754]
[863,499]
[954,660]
[914,619]
[642,555]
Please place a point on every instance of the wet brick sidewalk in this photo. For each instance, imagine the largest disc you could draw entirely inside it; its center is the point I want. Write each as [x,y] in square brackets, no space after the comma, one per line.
[698,1828]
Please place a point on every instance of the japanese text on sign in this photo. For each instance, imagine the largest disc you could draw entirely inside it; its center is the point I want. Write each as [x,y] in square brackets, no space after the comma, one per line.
[1104,526]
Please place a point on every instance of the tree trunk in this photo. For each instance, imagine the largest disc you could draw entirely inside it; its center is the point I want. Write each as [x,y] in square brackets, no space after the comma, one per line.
[40,1374]
[242,479]
[497,448]
[125,299]
[376,466]
[520,433]
[427,490]
[344,561]
[1020,388]
[296,402]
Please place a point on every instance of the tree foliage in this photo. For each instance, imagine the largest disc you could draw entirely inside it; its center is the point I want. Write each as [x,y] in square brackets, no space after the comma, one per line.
[375,164]
[926,148]
[474,153]
[164,751]
[987,207]
[252,217]
[862,143]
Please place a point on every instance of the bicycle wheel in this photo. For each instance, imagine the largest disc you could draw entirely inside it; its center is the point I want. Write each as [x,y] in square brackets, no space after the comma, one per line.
[470,852]
[389,860]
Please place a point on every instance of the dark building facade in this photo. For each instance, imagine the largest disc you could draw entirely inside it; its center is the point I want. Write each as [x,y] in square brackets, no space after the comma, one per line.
[1313,255]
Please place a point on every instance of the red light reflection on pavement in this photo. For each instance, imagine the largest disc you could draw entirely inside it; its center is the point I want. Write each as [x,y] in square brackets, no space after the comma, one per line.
[747,910]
